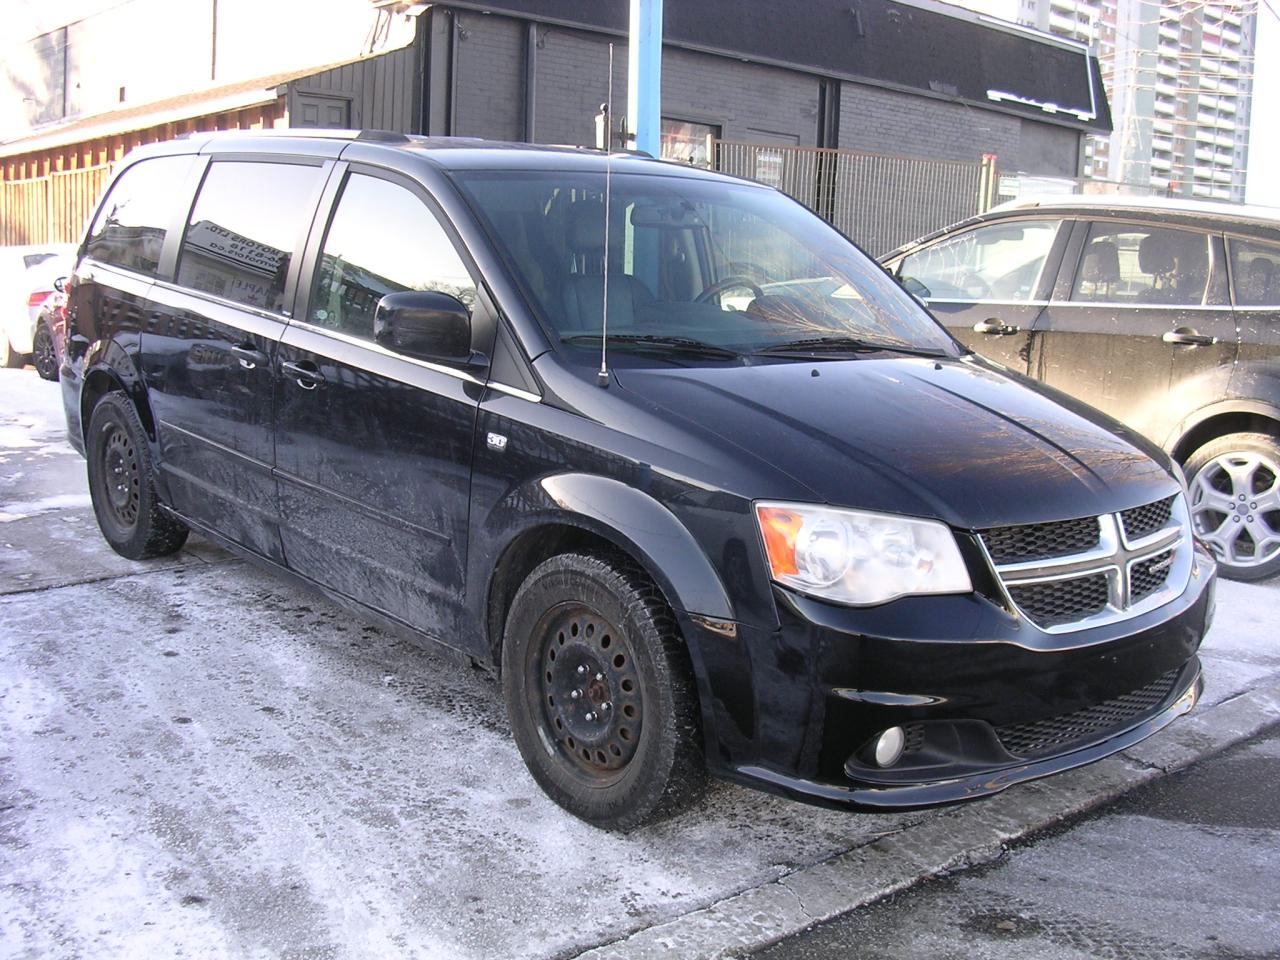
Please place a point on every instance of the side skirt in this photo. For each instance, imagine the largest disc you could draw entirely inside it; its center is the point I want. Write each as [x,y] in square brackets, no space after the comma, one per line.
[374,617]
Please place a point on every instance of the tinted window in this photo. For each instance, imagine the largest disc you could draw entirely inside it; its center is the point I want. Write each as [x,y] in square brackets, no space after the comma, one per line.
[1255,272]
[130,227]
[244,229]
[1001,261]
[1125,263]
[382,239]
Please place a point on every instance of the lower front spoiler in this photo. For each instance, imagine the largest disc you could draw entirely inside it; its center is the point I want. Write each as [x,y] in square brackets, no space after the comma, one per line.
[937,792]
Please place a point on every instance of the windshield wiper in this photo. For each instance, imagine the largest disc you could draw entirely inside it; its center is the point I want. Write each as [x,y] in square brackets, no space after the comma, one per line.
[838,344]
[681,344]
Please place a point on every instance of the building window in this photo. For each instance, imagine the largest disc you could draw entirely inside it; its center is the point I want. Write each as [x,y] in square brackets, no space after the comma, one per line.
[689,142]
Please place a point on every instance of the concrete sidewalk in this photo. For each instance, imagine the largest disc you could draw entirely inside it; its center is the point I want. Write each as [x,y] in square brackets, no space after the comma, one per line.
[199,760]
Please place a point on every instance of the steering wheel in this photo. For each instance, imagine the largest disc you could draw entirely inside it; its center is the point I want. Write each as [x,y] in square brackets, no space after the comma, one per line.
[728,283]
[974,286]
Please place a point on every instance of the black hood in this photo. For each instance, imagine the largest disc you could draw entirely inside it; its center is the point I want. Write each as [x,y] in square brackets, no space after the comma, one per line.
[955,440]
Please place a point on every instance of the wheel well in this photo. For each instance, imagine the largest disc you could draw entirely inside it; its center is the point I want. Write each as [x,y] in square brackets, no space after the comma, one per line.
[519,559]
[1220,426]
[97,385]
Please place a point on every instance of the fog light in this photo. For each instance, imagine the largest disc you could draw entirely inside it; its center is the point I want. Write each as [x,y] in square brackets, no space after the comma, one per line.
[889,746]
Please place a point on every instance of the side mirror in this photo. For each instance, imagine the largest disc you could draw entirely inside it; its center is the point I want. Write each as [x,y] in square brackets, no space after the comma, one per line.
[424,324]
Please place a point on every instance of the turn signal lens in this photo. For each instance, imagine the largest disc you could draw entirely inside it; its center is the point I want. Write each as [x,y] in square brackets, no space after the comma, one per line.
[859,558]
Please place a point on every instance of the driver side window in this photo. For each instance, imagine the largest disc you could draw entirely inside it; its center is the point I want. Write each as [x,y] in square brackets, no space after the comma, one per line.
[999,261]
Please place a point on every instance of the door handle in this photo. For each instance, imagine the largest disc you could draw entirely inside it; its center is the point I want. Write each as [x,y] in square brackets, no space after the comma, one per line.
[249,357]
[1187,337]
[305,373]
[996,328]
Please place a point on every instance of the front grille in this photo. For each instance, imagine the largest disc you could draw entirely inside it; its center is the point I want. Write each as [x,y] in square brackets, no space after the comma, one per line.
[1062,601]
[1150,575]
[1041,736]
[1144,520]
[1040,541]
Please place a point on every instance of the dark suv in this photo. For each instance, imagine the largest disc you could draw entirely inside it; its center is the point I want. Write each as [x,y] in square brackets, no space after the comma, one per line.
[1163,314]
[780,525]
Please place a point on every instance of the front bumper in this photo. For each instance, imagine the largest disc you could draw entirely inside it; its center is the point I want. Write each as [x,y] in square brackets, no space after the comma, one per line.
[987,699]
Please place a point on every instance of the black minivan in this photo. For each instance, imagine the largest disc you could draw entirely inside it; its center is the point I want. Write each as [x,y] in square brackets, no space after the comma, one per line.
[774,521]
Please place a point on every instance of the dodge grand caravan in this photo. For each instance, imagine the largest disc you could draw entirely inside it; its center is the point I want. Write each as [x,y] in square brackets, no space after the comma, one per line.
[774,522]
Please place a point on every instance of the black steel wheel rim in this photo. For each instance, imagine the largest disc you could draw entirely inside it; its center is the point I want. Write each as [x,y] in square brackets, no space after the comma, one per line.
[121,476]
[46,358]
[588,688]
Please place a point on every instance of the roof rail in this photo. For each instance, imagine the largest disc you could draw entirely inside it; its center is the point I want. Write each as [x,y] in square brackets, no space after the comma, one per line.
[322,133]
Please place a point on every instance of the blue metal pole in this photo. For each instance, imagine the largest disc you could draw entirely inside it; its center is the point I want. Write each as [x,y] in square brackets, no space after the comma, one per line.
[644,74]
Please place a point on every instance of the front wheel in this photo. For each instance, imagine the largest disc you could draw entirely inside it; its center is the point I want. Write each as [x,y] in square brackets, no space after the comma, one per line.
[1234,483]
[122,483]
[43,353]
[599,692]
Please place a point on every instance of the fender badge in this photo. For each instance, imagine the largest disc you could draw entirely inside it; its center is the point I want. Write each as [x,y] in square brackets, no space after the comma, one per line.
[496,441]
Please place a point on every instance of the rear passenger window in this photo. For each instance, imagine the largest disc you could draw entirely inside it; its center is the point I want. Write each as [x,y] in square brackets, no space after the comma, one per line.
[130,228]
[382,239]
[245,229]
[1127,263]
[1255,272]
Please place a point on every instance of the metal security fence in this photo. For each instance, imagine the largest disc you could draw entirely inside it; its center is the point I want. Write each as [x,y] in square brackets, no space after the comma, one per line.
[52,208]
[879,201]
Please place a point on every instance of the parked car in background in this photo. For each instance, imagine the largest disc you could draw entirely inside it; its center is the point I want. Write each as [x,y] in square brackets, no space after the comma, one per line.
[1162,314]
[50,331]
[810,544]
[27,277]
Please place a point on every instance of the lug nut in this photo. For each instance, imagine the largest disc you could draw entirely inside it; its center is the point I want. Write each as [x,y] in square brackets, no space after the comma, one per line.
[582,668]
[606,707]
[599,676]
[575,694]
[590,716]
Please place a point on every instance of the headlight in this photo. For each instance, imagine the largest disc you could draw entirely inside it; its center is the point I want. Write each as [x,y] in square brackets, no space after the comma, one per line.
[859,558]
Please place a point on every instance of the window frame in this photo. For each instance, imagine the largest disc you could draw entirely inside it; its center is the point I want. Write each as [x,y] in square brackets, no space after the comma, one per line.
[289,294]
[484,313]
[1043,288]
[1228,239]
[173,230]
[1217,294]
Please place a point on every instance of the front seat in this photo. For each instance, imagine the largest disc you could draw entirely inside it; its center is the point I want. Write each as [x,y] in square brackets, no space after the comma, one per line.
[1101,269]
[583,290]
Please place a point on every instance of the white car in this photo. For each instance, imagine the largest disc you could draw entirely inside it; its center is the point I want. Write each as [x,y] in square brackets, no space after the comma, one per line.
[26,280]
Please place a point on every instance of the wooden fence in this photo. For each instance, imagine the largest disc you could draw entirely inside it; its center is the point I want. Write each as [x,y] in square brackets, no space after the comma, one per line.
[52,208]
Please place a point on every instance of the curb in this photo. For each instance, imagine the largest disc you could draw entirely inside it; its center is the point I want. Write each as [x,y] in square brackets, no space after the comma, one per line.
[960,837]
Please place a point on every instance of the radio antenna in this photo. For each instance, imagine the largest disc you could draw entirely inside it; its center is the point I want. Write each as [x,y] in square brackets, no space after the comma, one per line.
[602,378]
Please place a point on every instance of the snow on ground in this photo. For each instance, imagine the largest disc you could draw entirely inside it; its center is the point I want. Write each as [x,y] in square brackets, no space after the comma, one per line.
[200,760]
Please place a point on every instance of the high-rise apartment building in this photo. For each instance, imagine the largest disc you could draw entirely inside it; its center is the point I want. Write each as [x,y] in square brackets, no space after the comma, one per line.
[1179,77]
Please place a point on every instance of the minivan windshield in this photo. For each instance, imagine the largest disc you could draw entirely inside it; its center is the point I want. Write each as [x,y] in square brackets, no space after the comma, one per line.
[696,267]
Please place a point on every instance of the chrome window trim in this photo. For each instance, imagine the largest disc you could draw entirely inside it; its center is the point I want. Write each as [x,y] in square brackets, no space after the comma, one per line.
[1169,307]
[514,391]
[377,348]
[89,268]
[1000,303]
[171,287]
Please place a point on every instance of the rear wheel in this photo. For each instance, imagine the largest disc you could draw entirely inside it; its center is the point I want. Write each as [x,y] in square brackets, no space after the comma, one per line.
[599,692]
[43,353]
[122,484]
[1234,483]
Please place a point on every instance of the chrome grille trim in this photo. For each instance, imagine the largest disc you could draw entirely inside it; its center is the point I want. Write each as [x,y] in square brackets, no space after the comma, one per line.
[1114,557]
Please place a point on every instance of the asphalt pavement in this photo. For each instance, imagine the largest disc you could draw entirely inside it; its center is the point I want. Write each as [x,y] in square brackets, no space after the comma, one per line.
[200,760]
[1185,868]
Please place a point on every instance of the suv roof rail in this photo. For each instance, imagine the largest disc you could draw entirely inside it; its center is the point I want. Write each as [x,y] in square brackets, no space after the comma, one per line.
[379,136]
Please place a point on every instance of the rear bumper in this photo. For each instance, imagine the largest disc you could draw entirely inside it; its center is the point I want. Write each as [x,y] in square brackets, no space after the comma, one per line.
[986,699]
